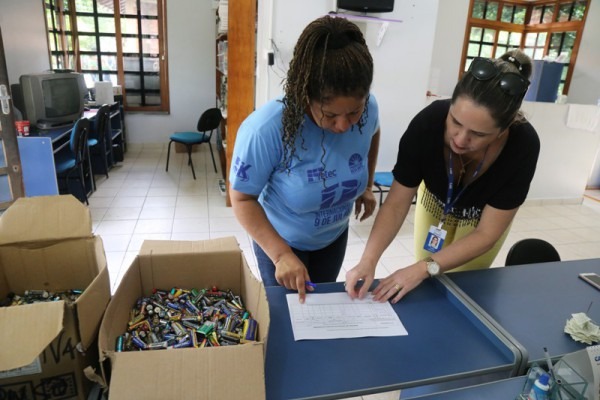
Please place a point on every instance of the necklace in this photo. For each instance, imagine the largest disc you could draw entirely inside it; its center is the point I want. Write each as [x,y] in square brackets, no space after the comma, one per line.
[463,165]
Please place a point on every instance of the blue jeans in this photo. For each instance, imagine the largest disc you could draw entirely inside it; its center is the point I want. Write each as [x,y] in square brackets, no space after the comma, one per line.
[323,265]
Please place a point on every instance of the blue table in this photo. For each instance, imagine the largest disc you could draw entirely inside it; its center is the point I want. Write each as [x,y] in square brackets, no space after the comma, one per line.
[446,343]
[531,303]
[506,389]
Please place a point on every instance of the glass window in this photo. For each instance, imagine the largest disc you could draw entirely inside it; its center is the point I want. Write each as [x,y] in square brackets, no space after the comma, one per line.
[478,9]
[541,40]
[99,46]
[86,24]
[507,13]
[564,12]
[489,35]
[108,44]
[84,6]
[536,15]
[578,11]
[473,50]
[491,12]
[486,51]
[515,39]
[476,34]
[503,37]
[548,14]
[519,16]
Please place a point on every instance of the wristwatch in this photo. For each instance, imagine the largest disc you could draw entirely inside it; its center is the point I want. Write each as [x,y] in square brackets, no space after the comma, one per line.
[433,268]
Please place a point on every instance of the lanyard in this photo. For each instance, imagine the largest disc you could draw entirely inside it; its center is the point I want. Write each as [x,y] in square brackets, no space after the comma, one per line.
[449,200]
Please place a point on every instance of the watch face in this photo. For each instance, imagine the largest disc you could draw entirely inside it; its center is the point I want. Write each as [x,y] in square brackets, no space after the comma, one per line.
[433,268]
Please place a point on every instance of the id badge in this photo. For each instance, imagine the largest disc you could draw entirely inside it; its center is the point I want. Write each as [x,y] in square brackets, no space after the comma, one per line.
[435,239]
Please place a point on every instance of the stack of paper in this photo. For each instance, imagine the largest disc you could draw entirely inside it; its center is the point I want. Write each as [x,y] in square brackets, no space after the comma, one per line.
[582,329]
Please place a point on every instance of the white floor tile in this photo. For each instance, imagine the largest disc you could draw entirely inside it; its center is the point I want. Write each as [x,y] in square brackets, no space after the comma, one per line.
[122,213]
[154,226]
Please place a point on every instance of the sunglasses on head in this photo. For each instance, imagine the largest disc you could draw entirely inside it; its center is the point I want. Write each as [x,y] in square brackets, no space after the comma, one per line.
[484,69]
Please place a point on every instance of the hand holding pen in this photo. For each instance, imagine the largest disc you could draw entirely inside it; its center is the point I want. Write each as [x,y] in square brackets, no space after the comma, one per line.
[291,273]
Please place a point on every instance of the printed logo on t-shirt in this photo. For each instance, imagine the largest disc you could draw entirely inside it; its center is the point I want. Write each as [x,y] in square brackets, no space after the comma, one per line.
[348,192]
[355,163]
[240,169]
[318,174]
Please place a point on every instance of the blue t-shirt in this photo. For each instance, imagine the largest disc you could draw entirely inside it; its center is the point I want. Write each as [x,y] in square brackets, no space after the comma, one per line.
[309,205]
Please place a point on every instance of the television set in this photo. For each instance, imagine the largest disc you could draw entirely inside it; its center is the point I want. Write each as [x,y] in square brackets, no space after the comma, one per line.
[366,6]
[52,99]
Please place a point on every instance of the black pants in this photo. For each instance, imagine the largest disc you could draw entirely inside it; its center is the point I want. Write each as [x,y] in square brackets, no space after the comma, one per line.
[323,265]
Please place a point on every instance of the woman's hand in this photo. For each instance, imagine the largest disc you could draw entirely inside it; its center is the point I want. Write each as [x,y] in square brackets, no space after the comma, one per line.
[368,202]
[364,272]
[401,282]
[291,273]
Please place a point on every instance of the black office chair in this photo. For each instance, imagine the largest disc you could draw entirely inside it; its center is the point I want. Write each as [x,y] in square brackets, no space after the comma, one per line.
[208,122]
[71,162]
[531,251]
[99,141]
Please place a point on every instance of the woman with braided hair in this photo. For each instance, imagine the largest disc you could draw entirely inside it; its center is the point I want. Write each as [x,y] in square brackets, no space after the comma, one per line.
[302,162]
[471,160]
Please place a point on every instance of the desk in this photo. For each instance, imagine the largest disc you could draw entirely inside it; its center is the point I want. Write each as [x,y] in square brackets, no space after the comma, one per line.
[446,342]
[506,389]
[531,303]
[39,174]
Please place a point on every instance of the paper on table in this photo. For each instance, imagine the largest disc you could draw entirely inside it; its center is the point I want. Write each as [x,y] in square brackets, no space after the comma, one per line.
[336,315]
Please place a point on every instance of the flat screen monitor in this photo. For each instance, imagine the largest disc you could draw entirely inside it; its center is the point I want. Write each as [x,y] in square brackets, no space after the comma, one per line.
[53,99]
[374,6]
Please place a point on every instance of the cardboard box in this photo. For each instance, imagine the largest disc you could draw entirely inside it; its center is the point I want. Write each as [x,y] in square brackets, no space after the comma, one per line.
[47,243]
[228,372]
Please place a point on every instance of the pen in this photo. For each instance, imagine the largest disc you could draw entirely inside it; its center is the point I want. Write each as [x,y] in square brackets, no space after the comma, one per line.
[310,284]
[549,361]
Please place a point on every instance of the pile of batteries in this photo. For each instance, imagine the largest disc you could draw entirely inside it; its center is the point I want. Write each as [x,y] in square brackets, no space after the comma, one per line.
[187,318]
[36,296]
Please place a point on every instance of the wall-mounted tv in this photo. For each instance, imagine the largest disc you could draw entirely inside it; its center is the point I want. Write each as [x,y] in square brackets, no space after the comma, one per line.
[367,6]
[52,99]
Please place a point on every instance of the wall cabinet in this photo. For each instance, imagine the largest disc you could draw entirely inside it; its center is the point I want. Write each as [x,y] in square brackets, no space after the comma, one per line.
[235,78]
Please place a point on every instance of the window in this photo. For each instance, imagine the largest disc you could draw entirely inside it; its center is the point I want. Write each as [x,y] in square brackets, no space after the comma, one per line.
[124,45]
[540,28]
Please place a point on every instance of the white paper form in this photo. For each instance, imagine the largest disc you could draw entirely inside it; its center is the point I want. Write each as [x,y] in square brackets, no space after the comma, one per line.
[336,315]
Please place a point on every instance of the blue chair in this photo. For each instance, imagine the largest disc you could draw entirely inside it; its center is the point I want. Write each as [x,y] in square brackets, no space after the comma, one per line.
[71,162]
[383,182]
[99,141]
[208,122]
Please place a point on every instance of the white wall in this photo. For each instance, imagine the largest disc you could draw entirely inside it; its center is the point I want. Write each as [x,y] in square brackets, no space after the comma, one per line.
[402,60]
[24,37]
[566,154]
[585,83]
[191,45]
[447,47]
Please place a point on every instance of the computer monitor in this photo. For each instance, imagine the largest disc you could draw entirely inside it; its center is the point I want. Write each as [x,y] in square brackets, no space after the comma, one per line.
[52,99]
[367,6]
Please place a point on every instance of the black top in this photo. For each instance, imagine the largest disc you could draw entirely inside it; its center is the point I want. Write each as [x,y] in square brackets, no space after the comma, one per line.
[504,185]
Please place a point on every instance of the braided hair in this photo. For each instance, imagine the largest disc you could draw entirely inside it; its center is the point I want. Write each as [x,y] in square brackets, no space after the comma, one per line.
[330,59]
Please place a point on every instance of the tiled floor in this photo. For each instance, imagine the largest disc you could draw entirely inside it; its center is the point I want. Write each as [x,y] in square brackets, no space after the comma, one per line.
[141,201]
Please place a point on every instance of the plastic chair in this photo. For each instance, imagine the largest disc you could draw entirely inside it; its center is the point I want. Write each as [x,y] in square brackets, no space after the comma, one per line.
[531,251]
[208,122]
[99,141]
[383,181]
[71,162]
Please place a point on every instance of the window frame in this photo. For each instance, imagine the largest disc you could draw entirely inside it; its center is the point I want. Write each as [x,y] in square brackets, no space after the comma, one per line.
[549,28]
[71,59]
